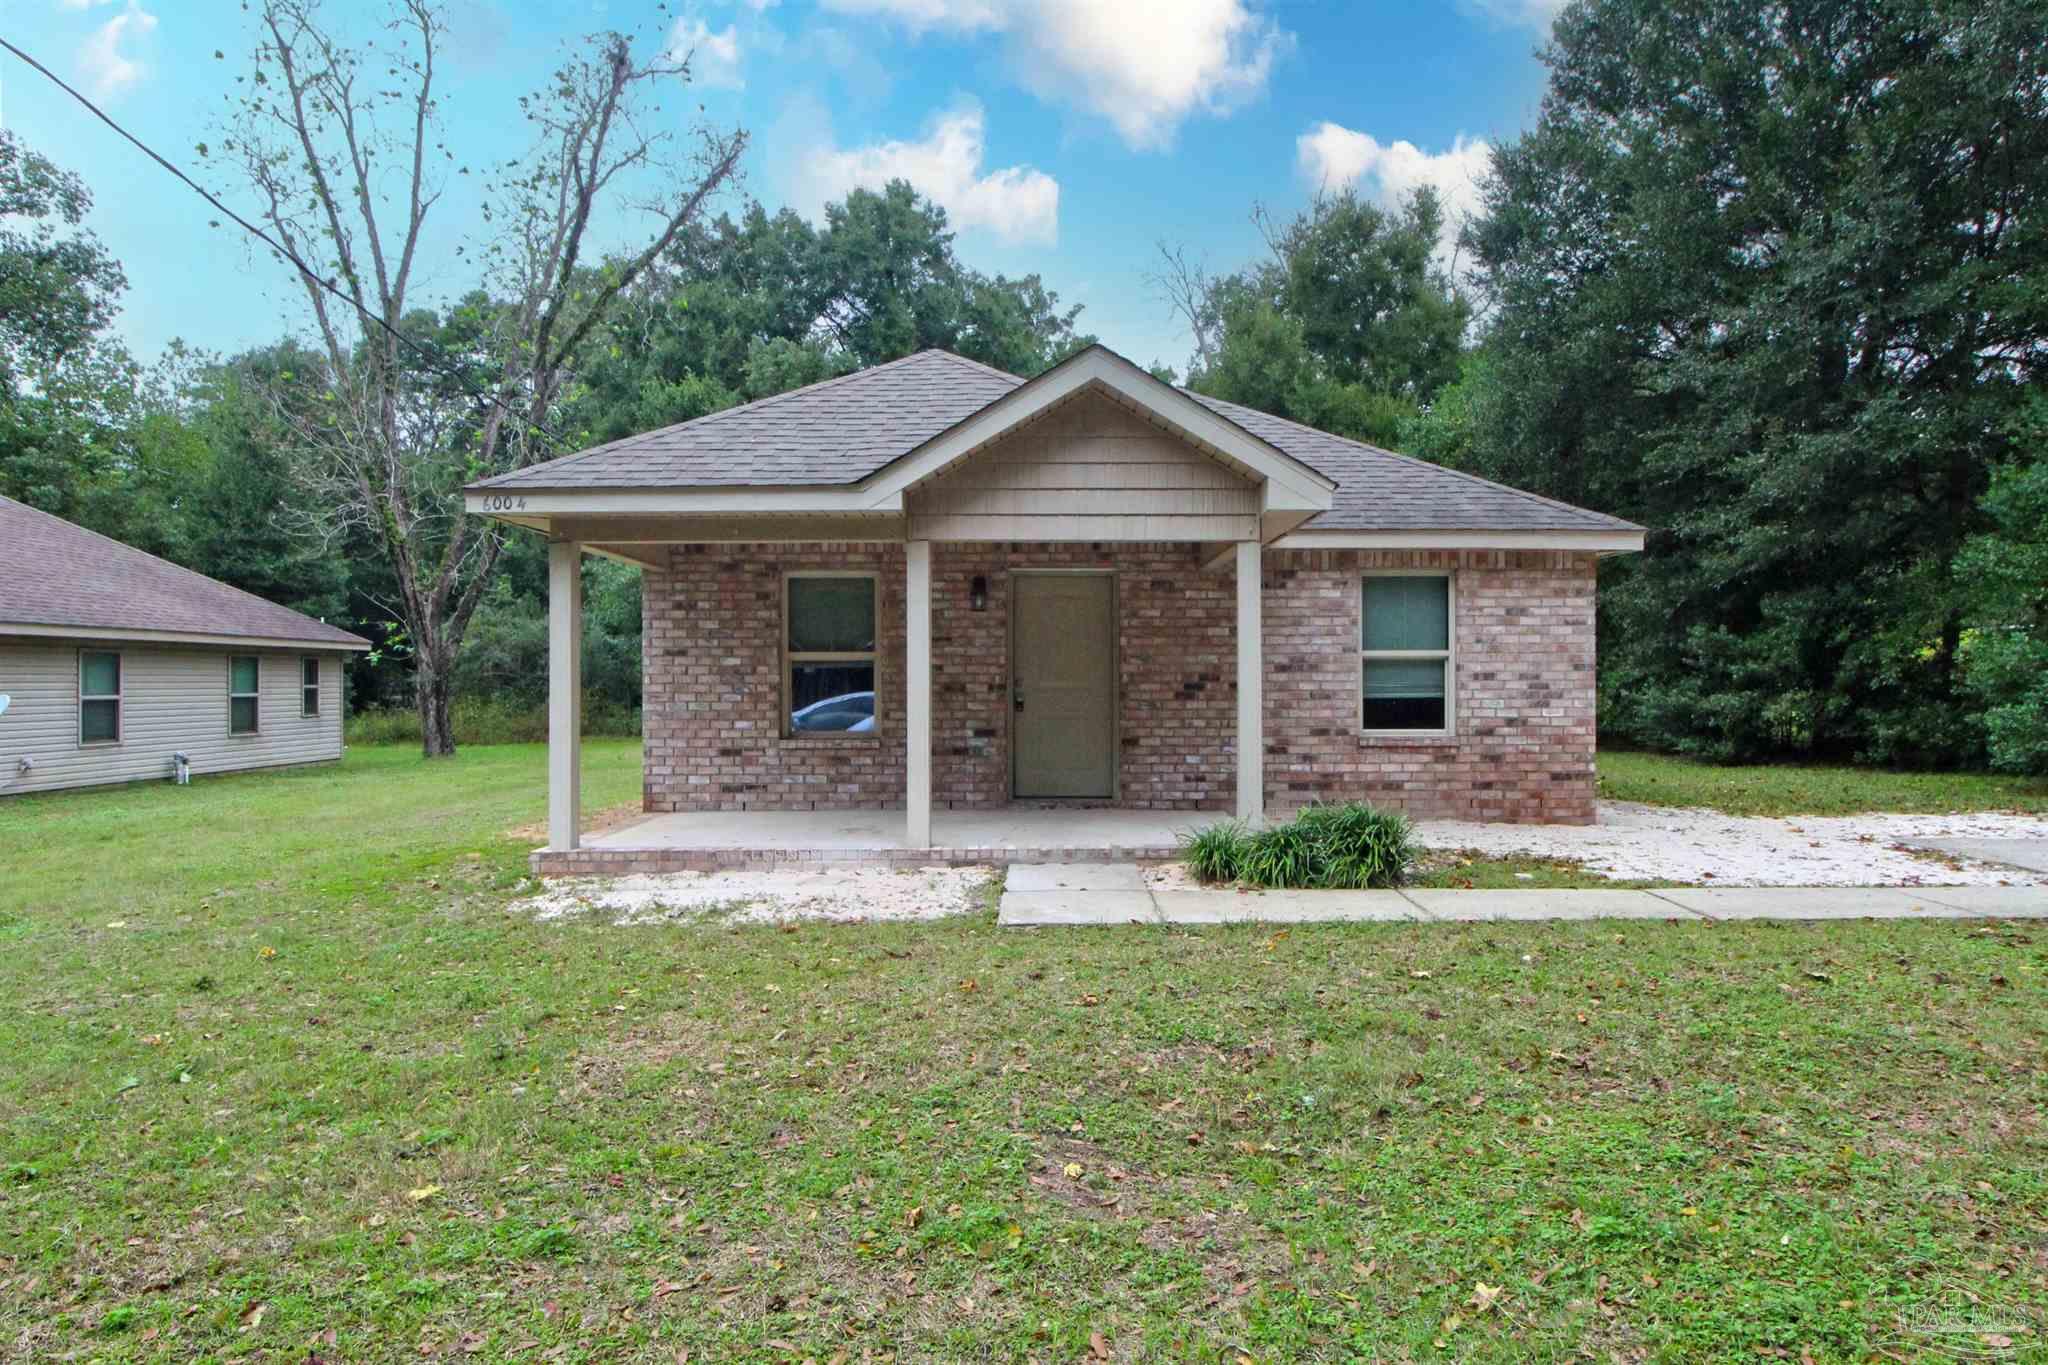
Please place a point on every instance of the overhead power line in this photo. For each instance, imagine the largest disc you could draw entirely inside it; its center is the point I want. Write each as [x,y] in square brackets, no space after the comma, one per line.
[435,358]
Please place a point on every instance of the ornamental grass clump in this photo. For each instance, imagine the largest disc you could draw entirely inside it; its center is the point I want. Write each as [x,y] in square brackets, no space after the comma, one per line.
[1345,847]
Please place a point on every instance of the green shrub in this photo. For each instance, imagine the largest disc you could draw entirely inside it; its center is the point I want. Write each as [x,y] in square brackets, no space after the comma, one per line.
[489,720]
[1284,855]
[1215,853]
[1358,846]
[1345,847]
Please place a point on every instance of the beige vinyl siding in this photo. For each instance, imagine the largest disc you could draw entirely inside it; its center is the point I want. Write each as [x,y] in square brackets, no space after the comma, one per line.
[1090,469]
[174,698]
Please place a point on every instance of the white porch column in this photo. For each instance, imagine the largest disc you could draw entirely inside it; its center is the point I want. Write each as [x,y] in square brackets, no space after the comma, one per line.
[565,694]
[917,693]
[1251,686]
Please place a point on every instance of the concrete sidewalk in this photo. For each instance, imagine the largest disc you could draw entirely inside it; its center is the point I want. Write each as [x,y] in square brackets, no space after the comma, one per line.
[1115,893]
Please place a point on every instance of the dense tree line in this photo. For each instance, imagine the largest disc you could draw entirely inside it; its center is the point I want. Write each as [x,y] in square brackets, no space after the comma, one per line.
[1773,281]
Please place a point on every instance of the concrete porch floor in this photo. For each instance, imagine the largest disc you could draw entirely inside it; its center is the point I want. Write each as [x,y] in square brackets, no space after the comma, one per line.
[848,831]
[706,840]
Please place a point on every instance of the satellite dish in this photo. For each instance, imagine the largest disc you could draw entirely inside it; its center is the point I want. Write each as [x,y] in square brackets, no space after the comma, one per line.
[4,699]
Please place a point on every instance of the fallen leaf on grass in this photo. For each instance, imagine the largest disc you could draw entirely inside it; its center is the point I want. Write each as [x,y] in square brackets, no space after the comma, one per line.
[423,1193]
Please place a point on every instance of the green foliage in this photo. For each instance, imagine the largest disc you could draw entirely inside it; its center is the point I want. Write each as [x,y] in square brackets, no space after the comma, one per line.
[1347,328]
[1215,853]
[2005,653]
[66,386]
[750,307]
[1351,846]
[1768,279]
[489,719]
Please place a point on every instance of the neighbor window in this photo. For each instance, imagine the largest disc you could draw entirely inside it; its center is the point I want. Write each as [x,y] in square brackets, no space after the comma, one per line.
[1405,652]
[99,697]
[829,668]
[242,679]
[309,687]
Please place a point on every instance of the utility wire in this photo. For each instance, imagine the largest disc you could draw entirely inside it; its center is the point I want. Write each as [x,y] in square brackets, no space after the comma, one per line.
[307,272]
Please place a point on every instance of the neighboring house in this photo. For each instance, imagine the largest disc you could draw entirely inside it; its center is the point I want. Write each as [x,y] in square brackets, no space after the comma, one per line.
[113,661]
[934,584]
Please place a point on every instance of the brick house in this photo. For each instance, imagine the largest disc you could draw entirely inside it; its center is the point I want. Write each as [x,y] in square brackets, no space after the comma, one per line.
[932,586]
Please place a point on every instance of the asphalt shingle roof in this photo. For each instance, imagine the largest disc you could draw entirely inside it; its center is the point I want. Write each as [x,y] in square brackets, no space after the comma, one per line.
[56,573]
[843,430]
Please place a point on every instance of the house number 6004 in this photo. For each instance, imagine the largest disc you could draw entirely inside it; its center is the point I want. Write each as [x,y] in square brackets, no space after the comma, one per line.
[503,502]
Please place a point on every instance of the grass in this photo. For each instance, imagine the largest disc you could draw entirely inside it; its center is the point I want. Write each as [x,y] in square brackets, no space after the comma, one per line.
[1809,789]
[284,1078]
[489,720]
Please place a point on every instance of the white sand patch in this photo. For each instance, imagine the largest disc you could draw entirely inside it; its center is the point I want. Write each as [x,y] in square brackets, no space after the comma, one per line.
[1712,849]
[840,893]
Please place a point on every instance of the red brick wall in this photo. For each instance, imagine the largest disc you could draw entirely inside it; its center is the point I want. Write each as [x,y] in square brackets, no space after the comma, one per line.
[1523,743]
[711,671]
[1523,748]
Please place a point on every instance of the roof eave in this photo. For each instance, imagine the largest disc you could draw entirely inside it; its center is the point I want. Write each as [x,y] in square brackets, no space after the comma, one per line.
[1619,540]
[127,634]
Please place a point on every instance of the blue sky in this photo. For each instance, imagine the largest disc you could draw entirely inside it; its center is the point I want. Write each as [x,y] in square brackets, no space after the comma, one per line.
[1065,137]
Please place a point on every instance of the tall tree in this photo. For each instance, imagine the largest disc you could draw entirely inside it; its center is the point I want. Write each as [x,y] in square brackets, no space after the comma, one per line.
[341,148]
[1766,278]
[1349,326]
[747,307]
[66,385]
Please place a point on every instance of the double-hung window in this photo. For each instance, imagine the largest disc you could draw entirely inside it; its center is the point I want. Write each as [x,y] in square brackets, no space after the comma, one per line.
[309,687]
[243,677]
[828,677]
[99,697]
[1405,663]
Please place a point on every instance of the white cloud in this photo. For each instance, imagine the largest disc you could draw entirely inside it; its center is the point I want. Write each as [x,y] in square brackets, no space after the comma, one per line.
[1016,203]
[714,55]
[1536,14]
[109,70]
[1145,65]
[1333,157]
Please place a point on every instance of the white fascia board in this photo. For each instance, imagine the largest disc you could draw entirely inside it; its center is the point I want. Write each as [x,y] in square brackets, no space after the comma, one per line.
[1607,542]
[1098,366]
[176,637]
[513,505]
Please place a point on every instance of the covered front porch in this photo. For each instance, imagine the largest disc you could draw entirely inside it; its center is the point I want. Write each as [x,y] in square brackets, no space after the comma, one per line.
[1058,597]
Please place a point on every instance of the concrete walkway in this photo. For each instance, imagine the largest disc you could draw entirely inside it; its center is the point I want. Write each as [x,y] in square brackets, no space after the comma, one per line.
[1116,893]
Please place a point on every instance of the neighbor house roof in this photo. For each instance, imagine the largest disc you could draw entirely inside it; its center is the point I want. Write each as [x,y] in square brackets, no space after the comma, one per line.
[57,578]
[844,430]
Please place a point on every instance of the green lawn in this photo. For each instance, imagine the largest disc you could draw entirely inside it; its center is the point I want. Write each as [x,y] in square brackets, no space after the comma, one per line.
[283,1078]
[1808,789]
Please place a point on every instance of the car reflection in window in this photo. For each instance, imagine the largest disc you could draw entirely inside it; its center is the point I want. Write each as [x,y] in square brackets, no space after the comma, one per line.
[849,712]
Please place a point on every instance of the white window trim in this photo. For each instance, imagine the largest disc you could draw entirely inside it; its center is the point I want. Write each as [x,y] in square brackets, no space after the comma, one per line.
[118,697]
[305,687]
[792,657]
[1448,655]
[234,696]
